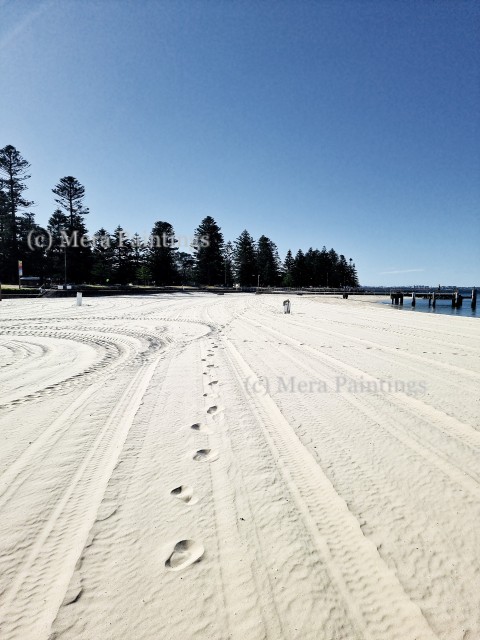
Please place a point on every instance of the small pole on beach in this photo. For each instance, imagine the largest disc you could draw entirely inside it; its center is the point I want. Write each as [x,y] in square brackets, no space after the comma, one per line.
[414,302]
[79,299]
[286,306]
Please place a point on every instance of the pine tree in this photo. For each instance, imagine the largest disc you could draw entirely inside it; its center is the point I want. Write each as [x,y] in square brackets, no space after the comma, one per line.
[287,270]
[32,243]
[342,271]
[352,274]
[13,173]
[56,254]
[123,269]
[323,267]
[139,258]
[208,250]
[144,274]
[70,198]
[102,254]
[244,260]
[333,278]
[312,268]
[4,238]
[161,254]
[268,262]
[228,253]
[185,264]
[70,194]
[299,269]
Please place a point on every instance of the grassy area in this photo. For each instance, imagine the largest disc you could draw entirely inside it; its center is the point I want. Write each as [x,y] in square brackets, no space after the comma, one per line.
[13,289]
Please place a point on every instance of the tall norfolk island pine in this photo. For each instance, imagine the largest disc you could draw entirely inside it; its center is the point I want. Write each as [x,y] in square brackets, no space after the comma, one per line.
[70,194]
[245,260]
[13,173]
[208,248]
[268,262]
[162,250]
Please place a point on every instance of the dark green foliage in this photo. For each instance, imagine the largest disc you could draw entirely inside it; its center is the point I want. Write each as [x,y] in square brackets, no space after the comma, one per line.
[123,268]
[55,255]
[63,251]
[140,268]
[143,275]
[287,270]
[352,274]
[185,264]
[208,250]
[228,253]
[300,272]
[32,243]
[72,230]
[318,269]
[70,198]
[14,221]
[245,260]
[161,254]
[102,253]
[268,262]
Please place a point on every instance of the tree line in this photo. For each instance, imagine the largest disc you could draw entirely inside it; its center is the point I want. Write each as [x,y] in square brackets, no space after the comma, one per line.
[63,251]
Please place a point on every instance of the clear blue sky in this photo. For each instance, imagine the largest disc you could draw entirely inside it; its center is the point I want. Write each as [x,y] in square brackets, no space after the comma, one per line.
[349,123]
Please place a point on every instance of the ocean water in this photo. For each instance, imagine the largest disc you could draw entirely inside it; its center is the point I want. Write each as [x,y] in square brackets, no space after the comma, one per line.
[443,307]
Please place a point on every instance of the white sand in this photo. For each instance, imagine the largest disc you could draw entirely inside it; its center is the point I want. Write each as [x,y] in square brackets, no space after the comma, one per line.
[200,466]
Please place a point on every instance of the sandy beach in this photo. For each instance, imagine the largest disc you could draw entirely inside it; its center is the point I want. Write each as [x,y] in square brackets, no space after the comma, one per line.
[201,466]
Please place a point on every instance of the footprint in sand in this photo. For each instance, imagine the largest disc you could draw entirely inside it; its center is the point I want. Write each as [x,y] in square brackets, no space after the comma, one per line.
[198,426]
[210,365]
[184,493]
[206,455]
[212,409]
[212,383]
[185,553]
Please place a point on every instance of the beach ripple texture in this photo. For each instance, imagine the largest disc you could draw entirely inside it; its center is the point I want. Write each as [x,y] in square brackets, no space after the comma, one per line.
[206,467]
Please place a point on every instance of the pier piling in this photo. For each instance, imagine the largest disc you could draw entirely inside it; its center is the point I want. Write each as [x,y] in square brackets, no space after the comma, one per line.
[457,300]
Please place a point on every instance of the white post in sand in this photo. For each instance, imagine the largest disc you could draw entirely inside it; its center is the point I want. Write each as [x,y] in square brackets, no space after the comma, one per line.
[79,299]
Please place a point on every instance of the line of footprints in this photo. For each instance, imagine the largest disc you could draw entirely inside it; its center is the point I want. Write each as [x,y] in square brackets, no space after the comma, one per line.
[187,552]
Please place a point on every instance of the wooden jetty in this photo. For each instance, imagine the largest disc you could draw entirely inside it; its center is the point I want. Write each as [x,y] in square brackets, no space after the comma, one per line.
[455,297]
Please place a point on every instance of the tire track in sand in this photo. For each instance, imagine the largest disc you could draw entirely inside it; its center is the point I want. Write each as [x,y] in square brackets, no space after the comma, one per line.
[455,429]
[32,600]
[378,606]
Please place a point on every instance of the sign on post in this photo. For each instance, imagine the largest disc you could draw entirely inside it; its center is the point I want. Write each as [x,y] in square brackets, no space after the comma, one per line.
[286,306]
